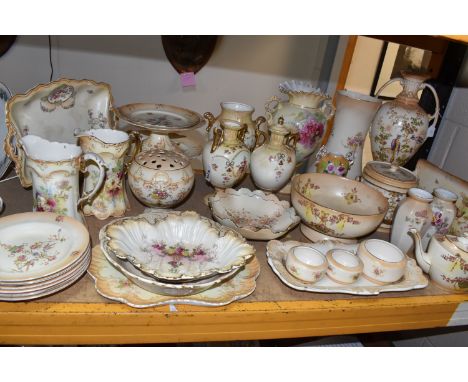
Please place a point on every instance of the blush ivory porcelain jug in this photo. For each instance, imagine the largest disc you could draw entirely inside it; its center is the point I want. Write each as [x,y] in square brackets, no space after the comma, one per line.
[54,169]
[446,260]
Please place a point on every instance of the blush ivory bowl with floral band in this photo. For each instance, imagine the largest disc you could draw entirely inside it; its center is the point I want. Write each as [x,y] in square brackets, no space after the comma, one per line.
[306,264]
[344,267]
[165,288]
[178,248]
[35,246]
[254,214]
[335,206]
[56,111]
[384,263]
[160,178]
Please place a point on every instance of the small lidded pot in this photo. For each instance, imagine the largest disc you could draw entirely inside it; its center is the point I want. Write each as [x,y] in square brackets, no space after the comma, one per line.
[306,263]
[384,263]
[160,178]
[344,267]
[273,163]
[390,180]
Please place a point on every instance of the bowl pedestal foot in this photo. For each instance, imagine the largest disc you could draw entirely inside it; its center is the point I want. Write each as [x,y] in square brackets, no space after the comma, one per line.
[315,236]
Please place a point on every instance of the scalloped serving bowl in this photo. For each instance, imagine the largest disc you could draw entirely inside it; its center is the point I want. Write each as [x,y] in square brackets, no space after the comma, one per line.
[178,248]
[254,214]
[337,206]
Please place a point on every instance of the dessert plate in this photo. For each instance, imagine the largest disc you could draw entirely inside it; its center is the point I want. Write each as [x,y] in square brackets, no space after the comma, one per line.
[277,250]
[178,247]
[112,284]
[5,94]
[35,245]
[160,118]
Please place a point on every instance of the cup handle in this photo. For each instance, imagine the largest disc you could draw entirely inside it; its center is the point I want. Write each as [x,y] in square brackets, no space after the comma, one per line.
[135,137]
[435,116]
[102,174]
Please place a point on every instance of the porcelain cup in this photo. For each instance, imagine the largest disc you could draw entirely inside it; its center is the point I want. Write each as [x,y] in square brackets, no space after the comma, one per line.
[54,169]
[344,267]
[384,263]
[305,263]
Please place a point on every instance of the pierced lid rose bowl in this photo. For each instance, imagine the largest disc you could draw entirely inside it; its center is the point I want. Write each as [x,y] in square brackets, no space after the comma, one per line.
[180,247]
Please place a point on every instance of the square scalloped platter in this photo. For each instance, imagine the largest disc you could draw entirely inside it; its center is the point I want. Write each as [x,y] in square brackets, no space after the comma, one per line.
[277,250]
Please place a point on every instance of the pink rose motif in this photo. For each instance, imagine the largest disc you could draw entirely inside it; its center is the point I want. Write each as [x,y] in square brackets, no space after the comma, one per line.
[309,133]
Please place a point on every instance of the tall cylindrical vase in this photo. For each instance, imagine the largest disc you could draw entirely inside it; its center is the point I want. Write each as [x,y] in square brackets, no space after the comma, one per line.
[354,113]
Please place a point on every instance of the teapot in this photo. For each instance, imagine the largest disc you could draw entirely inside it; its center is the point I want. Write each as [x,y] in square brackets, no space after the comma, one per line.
[446,260]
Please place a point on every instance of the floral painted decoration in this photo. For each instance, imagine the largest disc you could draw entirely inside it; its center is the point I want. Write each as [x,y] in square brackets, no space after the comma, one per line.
[62,96]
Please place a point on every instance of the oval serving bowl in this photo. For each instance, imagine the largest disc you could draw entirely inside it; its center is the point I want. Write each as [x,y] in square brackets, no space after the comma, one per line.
[168,289]
[337,206]
[180,247]
[254,214]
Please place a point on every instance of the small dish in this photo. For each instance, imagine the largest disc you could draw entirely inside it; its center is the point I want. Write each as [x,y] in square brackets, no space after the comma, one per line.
[305,263]
[384,263]
[344,267]
[254,214]
[177,248]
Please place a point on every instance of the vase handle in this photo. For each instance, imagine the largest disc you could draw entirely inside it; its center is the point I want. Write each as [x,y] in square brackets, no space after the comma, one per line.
[292,139]
[399,79]
[211,120]
[102,174]
[328,109]
[269,109]
[435,116]
[135,138]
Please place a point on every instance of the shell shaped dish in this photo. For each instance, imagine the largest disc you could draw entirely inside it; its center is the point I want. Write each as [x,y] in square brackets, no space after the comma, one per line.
[180,247]
[337,206]
[254,214]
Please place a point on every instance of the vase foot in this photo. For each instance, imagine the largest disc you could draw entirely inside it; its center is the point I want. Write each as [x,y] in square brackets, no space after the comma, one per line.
[316,236]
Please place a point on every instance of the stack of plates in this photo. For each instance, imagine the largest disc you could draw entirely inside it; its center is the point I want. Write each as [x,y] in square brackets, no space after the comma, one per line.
[176,253]
[40,253]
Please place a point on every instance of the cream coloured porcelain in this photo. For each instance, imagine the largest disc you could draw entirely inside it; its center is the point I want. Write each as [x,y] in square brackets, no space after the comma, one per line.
[112,146]
[168,289]
[54,169]
[272,163]
[56,111]
[443,214]
[226,159]
[36,246]
[113,285]
[254,214]
[336,206]
[413,212]
[240,112]
[401,126]
[277,251]
[160,178]
[305,263]
[344,267]
[446,260]
[179,247]
[383,262]
[354,113]
[305,113]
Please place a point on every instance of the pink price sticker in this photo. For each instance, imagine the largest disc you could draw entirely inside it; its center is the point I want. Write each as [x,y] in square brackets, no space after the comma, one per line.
[187,79]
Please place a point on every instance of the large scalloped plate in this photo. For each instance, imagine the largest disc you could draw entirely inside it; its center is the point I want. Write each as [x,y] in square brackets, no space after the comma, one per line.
[277,250]
[112,284]
[254,214]
[176,248]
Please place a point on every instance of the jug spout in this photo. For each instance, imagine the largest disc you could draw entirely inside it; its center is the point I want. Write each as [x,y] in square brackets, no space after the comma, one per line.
[421,256]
